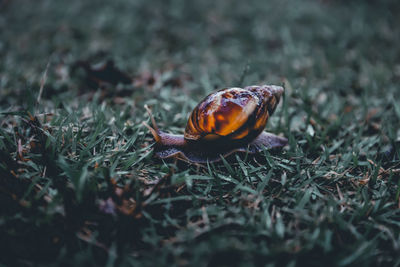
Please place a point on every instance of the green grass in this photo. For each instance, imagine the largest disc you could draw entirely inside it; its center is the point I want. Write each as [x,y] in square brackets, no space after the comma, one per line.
[79,185]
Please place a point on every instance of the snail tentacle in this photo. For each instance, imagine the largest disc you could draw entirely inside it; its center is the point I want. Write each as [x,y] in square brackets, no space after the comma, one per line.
[153,121]
[153,132]
[163,139]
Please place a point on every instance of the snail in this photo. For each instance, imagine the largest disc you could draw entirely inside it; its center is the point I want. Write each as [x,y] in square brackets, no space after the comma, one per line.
[227,121]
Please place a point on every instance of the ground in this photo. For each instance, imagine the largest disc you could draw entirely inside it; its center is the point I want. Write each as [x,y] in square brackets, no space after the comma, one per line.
[78,181]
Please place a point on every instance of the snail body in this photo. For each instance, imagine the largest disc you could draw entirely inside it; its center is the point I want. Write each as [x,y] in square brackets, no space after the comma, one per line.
[227,121]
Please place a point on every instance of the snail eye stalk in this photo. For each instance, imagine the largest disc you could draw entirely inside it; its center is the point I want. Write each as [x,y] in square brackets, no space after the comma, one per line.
[154,130]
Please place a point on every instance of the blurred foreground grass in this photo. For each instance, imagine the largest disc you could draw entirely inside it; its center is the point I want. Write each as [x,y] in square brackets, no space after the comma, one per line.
[79,186]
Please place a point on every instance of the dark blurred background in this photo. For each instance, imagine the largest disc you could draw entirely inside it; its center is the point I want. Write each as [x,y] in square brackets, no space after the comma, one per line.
[341,45]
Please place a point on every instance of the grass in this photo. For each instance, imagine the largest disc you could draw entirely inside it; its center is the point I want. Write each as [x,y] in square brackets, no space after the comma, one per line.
[79,185]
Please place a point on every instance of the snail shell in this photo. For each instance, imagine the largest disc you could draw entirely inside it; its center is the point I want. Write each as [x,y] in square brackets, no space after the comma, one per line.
[229,120]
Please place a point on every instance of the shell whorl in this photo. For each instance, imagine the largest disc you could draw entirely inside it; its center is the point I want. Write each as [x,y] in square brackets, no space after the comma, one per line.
[233,114]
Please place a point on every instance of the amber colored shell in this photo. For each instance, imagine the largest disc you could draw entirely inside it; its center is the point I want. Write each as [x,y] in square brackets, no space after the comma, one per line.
[236,114]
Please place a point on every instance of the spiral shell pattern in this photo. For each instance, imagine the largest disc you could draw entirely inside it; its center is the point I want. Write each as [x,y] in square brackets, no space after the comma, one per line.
[233,113]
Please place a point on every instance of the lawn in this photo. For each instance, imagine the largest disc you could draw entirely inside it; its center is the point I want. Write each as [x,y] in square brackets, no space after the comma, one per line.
[79,185]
